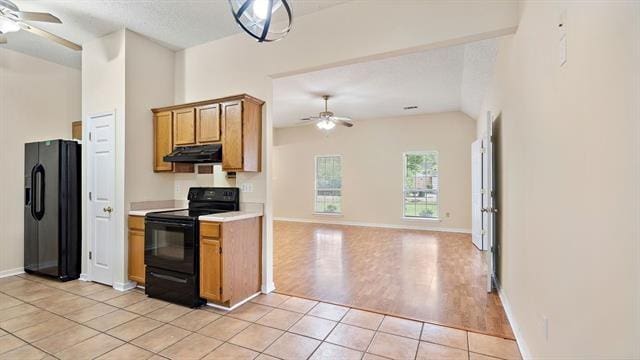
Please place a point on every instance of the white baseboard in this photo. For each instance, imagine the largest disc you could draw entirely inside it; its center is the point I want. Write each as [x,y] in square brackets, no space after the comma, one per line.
[124,286]
[84,277]
[234,306]
[267,288]
[11,272]
[524,350]
[378,225]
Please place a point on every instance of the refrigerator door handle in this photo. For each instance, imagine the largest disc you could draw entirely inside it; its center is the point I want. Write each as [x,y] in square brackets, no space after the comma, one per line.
[37,187]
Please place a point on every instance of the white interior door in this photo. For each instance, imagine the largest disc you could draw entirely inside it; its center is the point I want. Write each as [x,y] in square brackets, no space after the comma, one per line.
[488,210]
[477,235]
[101,196]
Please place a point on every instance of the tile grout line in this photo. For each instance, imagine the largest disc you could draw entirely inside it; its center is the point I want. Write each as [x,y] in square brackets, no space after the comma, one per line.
[221,315]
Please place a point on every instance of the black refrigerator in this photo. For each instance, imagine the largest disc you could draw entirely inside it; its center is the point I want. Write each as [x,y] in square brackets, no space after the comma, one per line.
[52,226]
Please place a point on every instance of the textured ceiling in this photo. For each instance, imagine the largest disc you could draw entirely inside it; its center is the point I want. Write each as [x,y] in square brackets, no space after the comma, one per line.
[447,79]
[177,24]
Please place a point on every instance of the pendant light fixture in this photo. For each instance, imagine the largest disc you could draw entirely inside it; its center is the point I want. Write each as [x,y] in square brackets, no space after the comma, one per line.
[256,18]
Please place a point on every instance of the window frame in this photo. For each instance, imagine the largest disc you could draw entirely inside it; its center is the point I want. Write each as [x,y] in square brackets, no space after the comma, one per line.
[315,184]
[404,190]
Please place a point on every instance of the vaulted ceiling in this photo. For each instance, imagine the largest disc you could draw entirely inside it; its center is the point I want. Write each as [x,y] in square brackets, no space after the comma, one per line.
[447,79]
[177,24]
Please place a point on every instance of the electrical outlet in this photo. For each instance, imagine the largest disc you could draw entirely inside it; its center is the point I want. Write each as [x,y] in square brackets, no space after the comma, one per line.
[178,188]
[246,187]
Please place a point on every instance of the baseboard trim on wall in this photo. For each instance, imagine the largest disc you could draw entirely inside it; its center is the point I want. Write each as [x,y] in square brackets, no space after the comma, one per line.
[524,350]
[267,288]
[124,286]
[389,226]
[11,272]
[84,277]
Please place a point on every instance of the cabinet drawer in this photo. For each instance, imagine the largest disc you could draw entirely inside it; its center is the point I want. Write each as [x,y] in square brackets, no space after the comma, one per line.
[209,229]
[136,223]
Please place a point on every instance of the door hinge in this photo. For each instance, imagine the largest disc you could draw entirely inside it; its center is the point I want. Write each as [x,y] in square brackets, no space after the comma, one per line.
[483,232]
[89,135]
[90,255]
[220,250]
[89,195]
[220,290]
[482,150]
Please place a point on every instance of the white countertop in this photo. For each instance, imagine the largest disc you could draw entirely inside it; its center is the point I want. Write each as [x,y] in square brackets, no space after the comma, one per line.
[230,216]
[144,212]
[221,217]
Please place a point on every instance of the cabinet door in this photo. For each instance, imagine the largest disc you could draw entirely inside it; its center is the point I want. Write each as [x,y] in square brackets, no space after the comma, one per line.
[208,123]
[184,127]
[136,256]
[163,141]
[76,130]
[232,135]
[210,269]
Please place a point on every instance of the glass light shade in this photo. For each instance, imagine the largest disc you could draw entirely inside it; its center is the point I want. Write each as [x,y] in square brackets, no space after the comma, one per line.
[325,124]
[7,26]
[255,17]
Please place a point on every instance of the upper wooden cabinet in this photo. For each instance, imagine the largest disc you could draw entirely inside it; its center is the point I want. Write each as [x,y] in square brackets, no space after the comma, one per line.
[208,123]
[235,122]
[184,127]
[163,140]
[76,130]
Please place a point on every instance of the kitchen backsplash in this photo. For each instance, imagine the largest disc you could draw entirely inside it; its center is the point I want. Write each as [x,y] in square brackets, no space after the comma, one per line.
[183,182]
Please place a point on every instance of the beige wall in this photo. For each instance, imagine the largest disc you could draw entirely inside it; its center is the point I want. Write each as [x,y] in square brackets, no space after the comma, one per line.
[237,64]
[38,101]
[148,84]
[372,162]
[570,165]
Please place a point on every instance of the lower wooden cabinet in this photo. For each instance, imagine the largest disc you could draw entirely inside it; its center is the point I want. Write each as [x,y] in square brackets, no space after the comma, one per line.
[230,260]
[136,249]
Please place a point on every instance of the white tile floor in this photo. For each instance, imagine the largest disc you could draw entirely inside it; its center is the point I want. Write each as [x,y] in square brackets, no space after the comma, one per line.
[45,319]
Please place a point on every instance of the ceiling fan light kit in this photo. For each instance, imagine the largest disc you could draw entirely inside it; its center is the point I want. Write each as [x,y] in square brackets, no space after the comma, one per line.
[255,18]
[327,120]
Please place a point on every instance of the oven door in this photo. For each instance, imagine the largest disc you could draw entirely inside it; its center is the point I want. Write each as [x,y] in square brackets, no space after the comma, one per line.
[170,245]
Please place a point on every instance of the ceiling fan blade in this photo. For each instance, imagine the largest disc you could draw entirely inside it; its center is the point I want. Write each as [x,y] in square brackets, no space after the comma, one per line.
[310,118]
[341,118]
[45,34]
[3,40]
[37,16]
[343,122]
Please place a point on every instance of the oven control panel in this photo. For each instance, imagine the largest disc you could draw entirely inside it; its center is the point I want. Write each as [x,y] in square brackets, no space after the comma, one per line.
[214,194]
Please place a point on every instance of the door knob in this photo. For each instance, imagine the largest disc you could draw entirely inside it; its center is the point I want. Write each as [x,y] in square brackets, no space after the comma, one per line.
[107,209]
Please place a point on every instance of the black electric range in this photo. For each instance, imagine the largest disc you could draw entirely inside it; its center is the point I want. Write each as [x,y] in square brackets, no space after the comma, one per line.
[172,245]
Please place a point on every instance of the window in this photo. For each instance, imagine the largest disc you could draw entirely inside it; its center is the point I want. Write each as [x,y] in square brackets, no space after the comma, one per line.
[421,185]
[328,184]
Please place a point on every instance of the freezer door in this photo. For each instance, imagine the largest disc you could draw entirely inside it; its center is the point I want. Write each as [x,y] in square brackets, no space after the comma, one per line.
[30,223]
[47,207]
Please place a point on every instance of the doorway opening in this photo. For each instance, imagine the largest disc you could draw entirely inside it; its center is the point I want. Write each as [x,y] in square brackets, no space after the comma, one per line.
[378,215]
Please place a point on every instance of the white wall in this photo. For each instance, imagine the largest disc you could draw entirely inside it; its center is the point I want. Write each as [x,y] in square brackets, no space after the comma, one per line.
[372,168]
[38,101]
[570,145]
[238,65]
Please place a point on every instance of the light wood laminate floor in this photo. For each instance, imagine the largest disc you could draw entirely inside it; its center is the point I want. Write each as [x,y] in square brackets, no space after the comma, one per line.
[434,277]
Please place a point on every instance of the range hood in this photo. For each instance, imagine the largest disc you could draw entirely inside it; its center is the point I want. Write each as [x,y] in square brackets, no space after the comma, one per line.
[199,154]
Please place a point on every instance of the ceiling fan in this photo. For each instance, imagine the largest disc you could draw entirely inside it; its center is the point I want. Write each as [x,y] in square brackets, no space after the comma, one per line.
[327,120]
[13,20]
